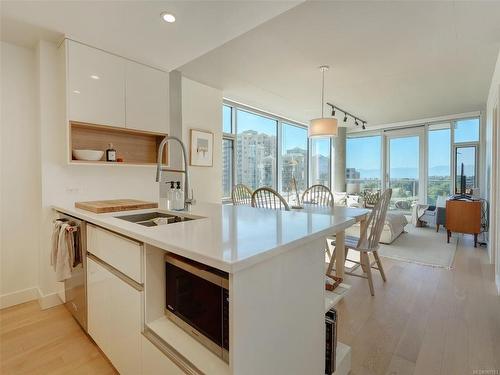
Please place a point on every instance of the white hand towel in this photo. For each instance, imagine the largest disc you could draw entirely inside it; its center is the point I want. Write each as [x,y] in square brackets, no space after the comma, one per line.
[55,240]
[62,262]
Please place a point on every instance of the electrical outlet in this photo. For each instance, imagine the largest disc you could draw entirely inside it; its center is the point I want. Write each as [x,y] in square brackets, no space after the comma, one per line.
[72,190]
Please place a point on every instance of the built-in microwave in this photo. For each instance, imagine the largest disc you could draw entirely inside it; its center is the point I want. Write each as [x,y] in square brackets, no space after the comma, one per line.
[197,300]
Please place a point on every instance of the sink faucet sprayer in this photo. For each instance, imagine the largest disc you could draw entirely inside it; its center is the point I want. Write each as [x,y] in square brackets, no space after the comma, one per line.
[160,168]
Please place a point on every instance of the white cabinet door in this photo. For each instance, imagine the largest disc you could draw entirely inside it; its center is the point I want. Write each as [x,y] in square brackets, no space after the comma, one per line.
[114,318]
[154,362]
[99,285]
[125,328]
[147,102]
[96,86]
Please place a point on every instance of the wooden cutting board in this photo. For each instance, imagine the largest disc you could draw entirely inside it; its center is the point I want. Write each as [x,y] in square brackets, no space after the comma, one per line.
[115,205]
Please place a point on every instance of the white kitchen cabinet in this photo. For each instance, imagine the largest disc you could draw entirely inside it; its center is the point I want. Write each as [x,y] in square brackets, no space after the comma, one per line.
[120,252]
[154,362]
[99,284]
[114,317]
[96,86]
[146,98]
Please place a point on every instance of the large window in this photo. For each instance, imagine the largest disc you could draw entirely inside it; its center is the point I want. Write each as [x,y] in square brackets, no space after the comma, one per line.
[320,161]
[261,149]
[420,163]
[466,138]
[227,166]
[227,119]
[403,170]
[363,163]
[438,162]
[228,140]
[256,150]
[465,169]
[467,130]
[293,158]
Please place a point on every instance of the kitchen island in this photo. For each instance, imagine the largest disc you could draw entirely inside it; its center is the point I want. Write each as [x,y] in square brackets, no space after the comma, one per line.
[275,265]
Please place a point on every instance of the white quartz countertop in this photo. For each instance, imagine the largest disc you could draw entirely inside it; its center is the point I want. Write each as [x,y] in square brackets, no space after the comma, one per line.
[226,237]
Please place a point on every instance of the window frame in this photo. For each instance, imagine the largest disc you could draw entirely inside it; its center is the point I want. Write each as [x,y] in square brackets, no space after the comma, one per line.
[279,164]
[230,137]
[476,163]
[433,127]
[454,145]
[280,122]
[310,182]
[426,125]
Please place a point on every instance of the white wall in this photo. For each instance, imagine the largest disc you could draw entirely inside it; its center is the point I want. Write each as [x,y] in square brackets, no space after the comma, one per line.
[493,165]
[20,176]
[202,109]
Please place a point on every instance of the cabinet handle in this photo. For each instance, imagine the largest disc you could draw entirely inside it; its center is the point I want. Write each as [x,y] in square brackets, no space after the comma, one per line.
[134,284]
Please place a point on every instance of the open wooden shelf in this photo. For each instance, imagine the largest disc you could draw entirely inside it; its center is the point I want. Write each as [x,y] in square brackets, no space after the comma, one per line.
[136,147]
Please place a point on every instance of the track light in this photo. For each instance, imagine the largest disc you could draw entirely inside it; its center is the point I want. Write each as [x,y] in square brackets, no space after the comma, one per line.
[347,115]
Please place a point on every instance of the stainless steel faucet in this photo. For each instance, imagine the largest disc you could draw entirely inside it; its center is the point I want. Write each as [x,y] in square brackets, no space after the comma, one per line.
[160,168]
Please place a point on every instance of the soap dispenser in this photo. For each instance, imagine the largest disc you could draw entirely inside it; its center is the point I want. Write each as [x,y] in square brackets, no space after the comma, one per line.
[171,196]
[179,197]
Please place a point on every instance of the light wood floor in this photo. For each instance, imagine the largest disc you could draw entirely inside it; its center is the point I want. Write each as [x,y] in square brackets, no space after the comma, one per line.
[33,341]
[422,321]
[425,320]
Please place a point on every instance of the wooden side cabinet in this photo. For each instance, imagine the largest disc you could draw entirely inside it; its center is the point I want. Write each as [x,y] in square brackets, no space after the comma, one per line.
[463,217]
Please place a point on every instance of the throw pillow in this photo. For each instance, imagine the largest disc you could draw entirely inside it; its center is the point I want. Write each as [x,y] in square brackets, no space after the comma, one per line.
[371,198]
[354,201]
[340,199]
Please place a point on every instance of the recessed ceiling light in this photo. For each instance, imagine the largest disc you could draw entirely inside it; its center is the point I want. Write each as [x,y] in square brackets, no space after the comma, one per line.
[93,76]
[168,17]
[76,91]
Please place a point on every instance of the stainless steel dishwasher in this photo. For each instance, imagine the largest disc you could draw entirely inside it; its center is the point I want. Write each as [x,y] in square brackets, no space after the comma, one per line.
[75,288]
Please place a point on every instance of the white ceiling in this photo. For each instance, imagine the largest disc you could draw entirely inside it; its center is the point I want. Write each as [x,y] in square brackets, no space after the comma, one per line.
[134,29]
[390,61]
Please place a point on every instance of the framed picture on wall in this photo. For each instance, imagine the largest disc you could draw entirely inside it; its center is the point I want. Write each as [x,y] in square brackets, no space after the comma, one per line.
[201,148]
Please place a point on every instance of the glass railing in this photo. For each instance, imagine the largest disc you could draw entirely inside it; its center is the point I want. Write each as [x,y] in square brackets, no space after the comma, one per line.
[436,187]
[371,184]
[404,193]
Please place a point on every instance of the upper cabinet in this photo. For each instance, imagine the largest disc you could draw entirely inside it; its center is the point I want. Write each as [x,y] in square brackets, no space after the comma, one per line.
[96,86]
[105,89]
[146,98]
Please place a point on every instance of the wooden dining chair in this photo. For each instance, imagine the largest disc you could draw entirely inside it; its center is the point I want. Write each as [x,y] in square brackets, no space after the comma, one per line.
[319,195]
[265,197]
[368,242]
[241,194]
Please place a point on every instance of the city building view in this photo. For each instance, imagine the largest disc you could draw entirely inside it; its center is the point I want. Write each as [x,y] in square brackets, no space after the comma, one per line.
[255,159]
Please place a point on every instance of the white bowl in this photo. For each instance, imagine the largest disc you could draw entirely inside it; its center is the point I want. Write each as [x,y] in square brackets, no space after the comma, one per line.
[89,155]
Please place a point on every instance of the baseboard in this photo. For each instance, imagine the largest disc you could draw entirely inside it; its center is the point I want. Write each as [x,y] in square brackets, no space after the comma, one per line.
[20,296]
[48,300]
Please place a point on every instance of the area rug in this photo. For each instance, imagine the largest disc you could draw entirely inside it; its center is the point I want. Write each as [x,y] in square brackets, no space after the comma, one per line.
[422,246]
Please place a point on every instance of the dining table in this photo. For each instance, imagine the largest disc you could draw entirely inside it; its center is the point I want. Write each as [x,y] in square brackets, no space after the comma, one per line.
[360,215]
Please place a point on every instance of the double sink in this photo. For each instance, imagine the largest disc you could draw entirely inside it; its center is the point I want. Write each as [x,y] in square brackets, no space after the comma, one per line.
[153,219]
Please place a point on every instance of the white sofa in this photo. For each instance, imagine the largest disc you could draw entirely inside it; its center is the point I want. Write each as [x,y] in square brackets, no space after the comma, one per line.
[395,222]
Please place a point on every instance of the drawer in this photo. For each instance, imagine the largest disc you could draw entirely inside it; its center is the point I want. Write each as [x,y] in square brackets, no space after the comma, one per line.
[120,252]
[155,362]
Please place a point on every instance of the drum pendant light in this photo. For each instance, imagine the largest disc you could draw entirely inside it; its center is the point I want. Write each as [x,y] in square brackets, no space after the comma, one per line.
[323,127]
